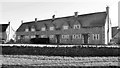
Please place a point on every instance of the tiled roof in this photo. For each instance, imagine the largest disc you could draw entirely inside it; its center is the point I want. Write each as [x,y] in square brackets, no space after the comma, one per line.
[3,27]
[86,20]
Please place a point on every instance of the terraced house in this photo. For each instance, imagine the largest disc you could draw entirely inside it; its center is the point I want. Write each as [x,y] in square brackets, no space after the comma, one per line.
[3,35]
[92,28]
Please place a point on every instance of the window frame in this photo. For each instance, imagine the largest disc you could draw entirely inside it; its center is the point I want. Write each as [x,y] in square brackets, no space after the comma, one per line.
[65,36]
[51,28]
[65,27]
[43,29]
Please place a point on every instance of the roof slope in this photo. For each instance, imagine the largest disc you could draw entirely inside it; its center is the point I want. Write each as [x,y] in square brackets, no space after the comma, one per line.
[86,20]
[3,27]
[115,30]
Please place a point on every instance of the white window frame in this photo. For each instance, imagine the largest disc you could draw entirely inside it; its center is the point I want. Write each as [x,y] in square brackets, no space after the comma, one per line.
[65,36]
[42,36]
[18,37]
[77,36]
[51,28]
[32,36]
[77,26]
[51,36]
[32,29]
[65,27]
[43,29]
[96,36]
[26,30]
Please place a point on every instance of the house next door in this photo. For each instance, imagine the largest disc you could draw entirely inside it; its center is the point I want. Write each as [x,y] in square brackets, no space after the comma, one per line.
[85,38]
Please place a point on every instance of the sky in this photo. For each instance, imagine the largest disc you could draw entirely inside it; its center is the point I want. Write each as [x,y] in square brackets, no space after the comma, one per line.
[27,10]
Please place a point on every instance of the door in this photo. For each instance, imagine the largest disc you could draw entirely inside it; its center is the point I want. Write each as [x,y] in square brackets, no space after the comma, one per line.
[85,38]
[57,38]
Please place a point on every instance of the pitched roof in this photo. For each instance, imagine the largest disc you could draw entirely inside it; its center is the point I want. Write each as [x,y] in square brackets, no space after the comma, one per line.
[3,27]
[86,20]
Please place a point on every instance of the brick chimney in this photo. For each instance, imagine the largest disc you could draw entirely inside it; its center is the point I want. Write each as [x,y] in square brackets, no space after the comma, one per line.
[35,19]
[107,10]
[75,14]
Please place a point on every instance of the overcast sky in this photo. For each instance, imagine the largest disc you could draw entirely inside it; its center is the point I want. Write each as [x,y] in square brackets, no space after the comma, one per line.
[17,10]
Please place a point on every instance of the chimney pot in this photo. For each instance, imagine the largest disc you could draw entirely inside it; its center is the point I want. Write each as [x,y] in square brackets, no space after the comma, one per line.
[35,19]
[53,17]
[76,14]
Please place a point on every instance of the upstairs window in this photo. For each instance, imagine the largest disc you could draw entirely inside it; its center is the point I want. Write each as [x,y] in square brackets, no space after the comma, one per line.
[18,37]
[76,26]
[51,28]
[43,29]
[65,27]
[32,29]
[26,30]
[65,36]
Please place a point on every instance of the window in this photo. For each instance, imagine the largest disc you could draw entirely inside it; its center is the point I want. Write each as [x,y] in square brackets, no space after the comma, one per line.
[65,36]
[18,37]
[95,36]
[26,30]
[77,36]
[32,36]
[42,36]
[51,36]
[32,29]
[43,29]
[26,37]
[76,26]
[65,27]
[51,28]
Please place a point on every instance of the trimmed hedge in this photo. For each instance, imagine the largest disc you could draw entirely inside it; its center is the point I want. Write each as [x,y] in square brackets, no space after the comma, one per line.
[59,51]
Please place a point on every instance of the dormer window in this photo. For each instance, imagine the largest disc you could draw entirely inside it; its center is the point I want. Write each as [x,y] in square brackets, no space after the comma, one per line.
[51,28]
[65,27]
[43,29]
[26,30]
[32,29]
[76,26]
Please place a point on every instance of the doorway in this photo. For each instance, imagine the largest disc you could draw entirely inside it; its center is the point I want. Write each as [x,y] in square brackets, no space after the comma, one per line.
[85,38]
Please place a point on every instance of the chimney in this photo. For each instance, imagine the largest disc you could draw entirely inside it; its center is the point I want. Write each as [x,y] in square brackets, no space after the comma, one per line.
[53,17]
[22,21]
[76,14]
[107,10]
[35,19]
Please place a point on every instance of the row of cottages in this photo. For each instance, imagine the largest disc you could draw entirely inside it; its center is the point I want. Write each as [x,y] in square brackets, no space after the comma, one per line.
[3,34]
[92,28]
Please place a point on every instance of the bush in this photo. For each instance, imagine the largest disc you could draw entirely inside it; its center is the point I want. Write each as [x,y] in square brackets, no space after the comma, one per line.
[59,51]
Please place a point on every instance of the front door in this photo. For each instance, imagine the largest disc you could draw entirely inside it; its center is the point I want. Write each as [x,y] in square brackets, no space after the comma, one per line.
[57,38]
[85,38]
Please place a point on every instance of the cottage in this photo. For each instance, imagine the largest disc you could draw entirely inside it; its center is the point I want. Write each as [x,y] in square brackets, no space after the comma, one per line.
[92,28]
[3,35]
